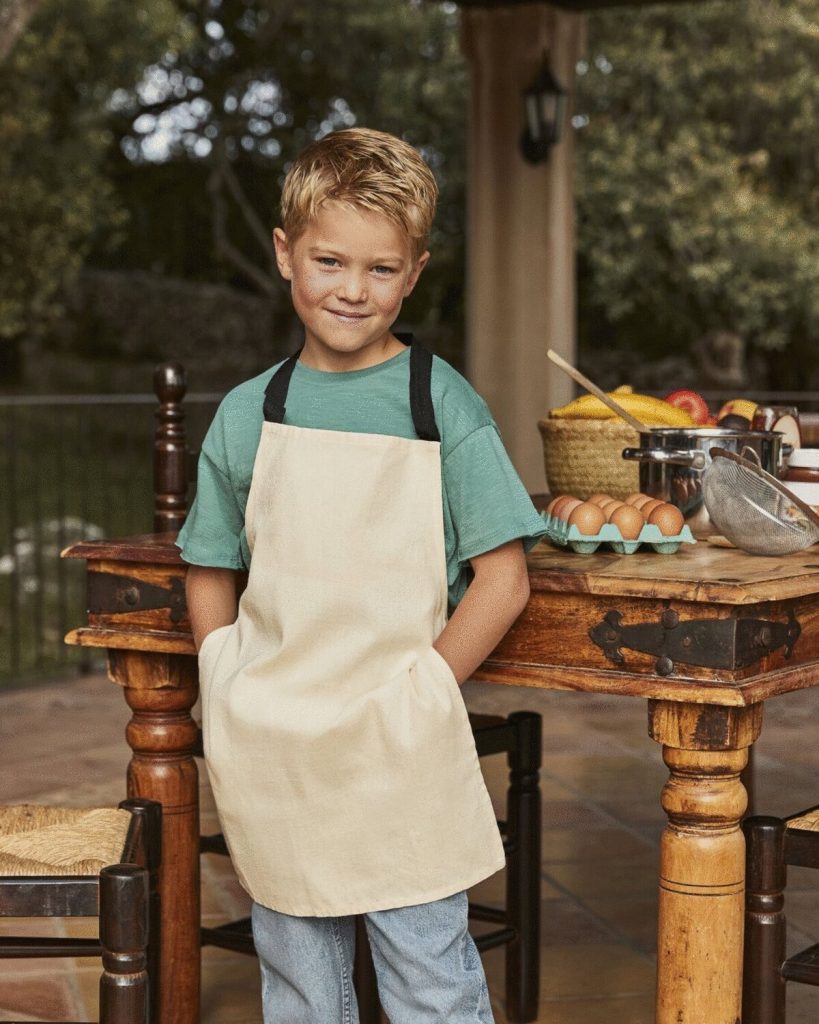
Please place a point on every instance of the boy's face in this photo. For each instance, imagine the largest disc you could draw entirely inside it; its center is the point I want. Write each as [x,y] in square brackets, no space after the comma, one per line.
[349,272]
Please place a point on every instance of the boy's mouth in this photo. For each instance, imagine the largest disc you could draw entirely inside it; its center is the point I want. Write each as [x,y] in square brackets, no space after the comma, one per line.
[343,314]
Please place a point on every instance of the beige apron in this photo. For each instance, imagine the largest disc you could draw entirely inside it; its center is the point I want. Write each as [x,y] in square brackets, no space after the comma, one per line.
[337,741]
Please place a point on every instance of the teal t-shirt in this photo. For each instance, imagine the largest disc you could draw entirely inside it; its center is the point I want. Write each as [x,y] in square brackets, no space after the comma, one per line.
[485,503]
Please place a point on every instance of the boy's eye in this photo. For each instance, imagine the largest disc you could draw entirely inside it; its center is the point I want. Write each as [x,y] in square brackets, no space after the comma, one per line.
[327,261]
[384,270]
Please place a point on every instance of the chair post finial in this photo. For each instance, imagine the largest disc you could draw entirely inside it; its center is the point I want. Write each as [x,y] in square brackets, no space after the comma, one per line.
[170,449]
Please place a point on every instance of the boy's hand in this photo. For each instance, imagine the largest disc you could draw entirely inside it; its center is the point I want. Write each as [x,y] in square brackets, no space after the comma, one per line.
[494,599]
[211,597]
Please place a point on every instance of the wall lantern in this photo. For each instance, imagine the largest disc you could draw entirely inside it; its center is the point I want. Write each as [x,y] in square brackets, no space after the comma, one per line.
[544,107]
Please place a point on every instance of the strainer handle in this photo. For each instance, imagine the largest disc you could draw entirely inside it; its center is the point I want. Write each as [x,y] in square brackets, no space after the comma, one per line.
[668,456]
[751,455]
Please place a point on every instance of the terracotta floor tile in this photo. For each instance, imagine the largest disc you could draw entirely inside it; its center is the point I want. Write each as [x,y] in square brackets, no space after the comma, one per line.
[639,813]
[565,922]
[802,912]
[86,984]
[633,878]
[611,1010]
[561,814]
[632,919]
[606,777]
[802,1003]
[585,844]
[231,990]
[45,996]
[567,972]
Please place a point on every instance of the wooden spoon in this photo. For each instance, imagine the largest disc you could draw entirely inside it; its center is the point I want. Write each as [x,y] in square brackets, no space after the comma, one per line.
[584,382]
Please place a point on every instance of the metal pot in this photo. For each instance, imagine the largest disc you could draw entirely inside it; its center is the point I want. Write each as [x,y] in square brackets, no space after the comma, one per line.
[673,460]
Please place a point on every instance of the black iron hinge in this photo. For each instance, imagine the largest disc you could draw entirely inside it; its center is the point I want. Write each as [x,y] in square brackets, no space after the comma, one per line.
[711,643]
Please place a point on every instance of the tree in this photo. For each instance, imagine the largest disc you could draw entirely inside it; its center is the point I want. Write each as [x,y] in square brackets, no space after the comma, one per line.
[697,170]
[55,87]
[14,16]
[220,118]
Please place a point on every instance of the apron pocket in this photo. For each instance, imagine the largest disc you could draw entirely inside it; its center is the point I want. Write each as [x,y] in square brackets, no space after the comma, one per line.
[209,651]
[441,667]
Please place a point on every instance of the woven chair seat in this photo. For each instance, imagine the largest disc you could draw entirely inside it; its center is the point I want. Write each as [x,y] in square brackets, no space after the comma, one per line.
[47,841]
[806,822]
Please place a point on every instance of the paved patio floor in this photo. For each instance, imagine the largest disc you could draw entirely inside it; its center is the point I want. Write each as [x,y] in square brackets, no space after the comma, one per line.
[63,743]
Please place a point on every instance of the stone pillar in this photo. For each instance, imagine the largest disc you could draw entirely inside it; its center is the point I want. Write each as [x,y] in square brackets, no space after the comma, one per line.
[520,225]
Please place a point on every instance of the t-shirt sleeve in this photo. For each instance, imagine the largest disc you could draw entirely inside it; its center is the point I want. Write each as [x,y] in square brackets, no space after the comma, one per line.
[212,533]
[488,503]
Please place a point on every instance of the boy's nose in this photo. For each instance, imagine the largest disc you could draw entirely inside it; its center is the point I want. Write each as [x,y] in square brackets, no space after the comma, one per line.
[353,287]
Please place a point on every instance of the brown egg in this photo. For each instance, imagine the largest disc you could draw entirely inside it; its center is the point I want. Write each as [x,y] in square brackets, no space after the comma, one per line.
[549,510]
[557,504]
[588,518]
[640,500]
[648,507]
[628,520]
[600,499]
[610,506]
[566,509]
[633,499]
[668,518]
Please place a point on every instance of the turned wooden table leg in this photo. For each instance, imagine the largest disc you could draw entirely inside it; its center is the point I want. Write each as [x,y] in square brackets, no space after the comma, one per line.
[161,689]
[702,860]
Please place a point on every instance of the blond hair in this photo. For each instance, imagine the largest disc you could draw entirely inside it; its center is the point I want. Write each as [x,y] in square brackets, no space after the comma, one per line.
[365,168]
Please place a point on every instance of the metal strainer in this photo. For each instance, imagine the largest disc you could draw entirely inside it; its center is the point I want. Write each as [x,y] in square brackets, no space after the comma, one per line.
[752,509]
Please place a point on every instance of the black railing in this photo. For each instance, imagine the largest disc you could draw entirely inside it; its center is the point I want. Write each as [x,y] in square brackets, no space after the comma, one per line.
[72,468]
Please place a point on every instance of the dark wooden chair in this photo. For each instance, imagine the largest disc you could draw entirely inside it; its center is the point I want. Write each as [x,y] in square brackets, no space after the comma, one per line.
[518,736]
[771,845]
[70,862]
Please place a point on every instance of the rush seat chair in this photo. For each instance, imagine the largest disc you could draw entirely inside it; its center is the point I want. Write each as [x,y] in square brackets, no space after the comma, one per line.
[103,863]
[518,736]
[771,845]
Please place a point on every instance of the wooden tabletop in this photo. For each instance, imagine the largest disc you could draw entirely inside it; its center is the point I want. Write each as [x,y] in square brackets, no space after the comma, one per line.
[697,572]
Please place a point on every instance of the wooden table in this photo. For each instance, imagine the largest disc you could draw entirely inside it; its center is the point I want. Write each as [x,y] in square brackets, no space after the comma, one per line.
[706,636]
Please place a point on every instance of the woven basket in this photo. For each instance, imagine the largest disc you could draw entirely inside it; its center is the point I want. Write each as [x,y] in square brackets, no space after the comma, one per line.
[584,457]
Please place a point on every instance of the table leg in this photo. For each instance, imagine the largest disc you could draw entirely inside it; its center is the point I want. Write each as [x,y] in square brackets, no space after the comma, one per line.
[161,689]
[702,860]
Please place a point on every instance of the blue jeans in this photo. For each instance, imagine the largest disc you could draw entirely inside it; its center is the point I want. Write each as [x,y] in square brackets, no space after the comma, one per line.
[428,968]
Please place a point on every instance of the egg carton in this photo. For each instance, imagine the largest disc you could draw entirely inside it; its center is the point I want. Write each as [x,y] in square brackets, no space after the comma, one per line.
[559,532]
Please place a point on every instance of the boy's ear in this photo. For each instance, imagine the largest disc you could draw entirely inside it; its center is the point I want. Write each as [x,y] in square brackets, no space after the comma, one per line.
[282,254]
[412,280]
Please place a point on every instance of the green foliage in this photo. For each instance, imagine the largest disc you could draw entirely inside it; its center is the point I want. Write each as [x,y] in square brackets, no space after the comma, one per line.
[54,91]
[697,175]
[255,82]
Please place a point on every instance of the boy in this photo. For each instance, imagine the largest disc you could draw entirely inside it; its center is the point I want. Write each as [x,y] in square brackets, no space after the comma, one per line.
[364,485]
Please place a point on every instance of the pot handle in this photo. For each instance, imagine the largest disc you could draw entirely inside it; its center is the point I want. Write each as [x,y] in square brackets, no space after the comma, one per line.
[694,459]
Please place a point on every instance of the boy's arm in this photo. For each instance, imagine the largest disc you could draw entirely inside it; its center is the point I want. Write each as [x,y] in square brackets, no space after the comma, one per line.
[494,599]
[211,597]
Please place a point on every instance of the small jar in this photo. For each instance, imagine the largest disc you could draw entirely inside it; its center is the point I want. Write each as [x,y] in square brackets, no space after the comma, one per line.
[802,474]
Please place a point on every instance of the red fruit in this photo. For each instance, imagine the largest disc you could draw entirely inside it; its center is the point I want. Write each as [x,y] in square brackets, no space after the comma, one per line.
[694,404]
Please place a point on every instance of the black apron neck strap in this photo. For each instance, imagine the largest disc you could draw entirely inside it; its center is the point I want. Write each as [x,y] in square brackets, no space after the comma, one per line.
[420,390]
[423,413]
[275,394]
